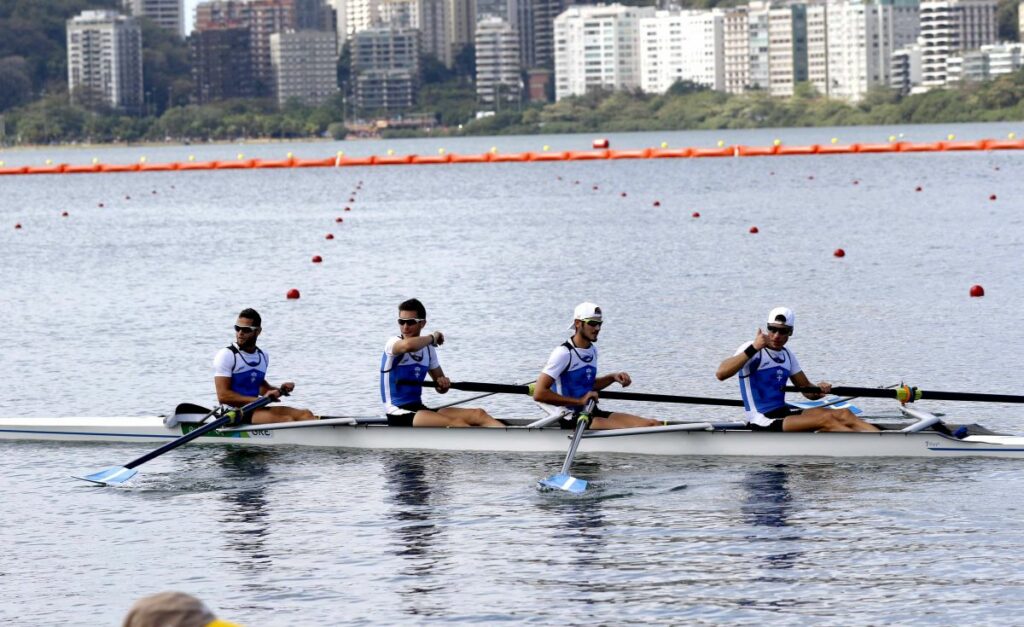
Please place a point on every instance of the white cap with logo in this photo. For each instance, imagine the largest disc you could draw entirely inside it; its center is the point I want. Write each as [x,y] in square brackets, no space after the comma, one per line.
[584,311]
[787,315]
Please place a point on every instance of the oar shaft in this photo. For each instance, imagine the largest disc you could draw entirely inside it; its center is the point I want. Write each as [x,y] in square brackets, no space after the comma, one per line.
[203,430]
[498,388]
[915,394]
[581,425]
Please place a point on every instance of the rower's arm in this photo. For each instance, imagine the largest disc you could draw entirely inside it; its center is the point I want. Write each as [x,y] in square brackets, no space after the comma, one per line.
[443,382]
[799,379]
[542,393]
[412,344]
[227,396]
[731,366]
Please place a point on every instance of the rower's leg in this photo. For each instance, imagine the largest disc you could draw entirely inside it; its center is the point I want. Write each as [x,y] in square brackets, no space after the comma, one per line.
[280,413]
[817,419]
[471,417]
[619,420]
[850,419]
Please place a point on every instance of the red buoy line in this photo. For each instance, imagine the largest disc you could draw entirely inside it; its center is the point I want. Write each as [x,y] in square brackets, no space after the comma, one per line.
[777,149]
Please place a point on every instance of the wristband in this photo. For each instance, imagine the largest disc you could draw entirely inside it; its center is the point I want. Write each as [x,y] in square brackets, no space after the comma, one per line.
[750,351]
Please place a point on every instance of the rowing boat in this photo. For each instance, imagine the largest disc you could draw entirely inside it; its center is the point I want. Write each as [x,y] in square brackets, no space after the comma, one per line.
[686,439]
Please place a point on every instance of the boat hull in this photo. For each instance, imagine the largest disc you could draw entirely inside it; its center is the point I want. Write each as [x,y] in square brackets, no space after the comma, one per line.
[732,442]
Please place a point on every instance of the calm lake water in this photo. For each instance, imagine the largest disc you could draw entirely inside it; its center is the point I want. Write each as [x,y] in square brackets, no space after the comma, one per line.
[118,309]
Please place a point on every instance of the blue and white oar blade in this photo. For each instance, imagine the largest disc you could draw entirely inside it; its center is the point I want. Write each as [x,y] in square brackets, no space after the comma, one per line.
[115,475]
[563,481]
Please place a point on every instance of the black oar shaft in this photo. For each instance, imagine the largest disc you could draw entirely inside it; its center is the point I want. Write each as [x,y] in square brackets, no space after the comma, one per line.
[473,386]
[915,394]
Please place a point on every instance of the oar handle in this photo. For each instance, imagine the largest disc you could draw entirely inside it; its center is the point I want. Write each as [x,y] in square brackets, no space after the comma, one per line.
[474,386]
[907,394]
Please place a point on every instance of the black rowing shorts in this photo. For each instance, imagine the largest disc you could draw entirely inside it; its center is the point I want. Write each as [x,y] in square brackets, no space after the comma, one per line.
[570,423]
[403,416]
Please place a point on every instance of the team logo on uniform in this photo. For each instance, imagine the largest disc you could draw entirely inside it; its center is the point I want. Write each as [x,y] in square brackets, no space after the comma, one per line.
[586,358]
[415,356]
[780,375]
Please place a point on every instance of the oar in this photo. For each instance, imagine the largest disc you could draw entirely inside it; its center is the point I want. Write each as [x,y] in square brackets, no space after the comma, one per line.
[908,394]
[467,399]
[499,388]
[563,480]
[116,475]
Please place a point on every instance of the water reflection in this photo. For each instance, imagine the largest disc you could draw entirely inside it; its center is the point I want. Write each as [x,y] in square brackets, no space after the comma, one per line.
[769,503]
[246,519]
[417,529]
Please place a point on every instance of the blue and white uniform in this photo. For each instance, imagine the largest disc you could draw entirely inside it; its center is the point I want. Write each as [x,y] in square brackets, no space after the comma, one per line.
[247,371]
[762,379]
[574,370]
[412,366]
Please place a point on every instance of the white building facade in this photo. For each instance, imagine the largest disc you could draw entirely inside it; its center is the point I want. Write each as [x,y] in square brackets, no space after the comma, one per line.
[597,47]
[305,66]
[104,51]
[167,14]
[682,46]
[497,62]
[949,27]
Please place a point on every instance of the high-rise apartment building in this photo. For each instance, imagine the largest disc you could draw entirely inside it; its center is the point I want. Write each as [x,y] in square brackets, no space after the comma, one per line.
[682,46]
[736,49]
[817,48]
[758,13]
[597,47]
[167,14]
[905,69]
[787,48]
[497,62]
[221,64]
[385,62]
[104,51]
[949,27]
[535,19]
[305,65]
[986,63]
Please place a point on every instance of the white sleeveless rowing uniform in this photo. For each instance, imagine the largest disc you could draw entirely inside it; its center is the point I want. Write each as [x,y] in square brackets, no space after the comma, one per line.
[574,369]
[412,366]
[762,379]
[247,371]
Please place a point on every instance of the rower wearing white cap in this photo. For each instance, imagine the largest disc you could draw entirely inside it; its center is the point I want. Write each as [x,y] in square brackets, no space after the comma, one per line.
[570,378]
[764,366]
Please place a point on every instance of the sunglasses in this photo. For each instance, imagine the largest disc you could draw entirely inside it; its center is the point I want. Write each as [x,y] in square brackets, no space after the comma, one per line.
[404,321]
[247,330]
[593,323]
[780,330]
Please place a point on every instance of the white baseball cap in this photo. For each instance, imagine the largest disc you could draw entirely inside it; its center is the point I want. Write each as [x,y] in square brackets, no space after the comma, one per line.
[789,318]
[584,311]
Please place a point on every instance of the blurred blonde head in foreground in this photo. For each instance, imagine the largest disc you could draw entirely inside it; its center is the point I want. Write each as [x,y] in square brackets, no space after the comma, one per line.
[172,609]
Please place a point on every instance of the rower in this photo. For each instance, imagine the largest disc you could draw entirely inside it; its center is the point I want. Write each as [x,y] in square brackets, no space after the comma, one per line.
[410,356]
[240,375]
[764,365]
[569,379]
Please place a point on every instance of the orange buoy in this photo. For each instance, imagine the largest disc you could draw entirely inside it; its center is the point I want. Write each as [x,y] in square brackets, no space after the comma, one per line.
[695,214]
[64,214]
[600,142]
[317,259]
[100,205]
[292,294]
[657,203]
[329,236]
[348,208]
[918,188]
[351,199]
[17,225]
[992,197]
[856,182]
[977,291]
[839,252]
[623,194]
[810,178]
[754,229]
[127,197]
[339,219]
[594,188]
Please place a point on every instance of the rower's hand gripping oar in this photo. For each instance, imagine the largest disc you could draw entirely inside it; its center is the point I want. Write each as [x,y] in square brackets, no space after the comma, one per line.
[907,394]
[116,475]
[563,480]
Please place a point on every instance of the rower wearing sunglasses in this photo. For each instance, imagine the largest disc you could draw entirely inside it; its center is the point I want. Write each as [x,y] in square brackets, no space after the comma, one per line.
[570,379]
[764,365]
[411,357]
[240,375]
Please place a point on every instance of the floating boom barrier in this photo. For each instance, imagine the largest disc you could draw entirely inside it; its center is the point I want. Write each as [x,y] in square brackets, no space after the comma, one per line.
[341,161]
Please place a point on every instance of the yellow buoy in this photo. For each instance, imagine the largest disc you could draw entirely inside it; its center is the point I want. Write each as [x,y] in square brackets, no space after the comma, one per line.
[777,142]
[1,164]
[494,150]
[440,151]
[664,144]
[835,140]
[142,159]
[95,160]
[721,143]
[892,138]
[49,162]
[289,155]
[391,151]
[546,147]
[240,156]
[1012,136]
[951,137]
[341,153]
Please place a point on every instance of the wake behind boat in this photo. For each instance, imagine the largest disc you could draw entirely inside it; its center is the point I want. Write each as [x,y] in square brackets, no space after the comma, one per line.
[698,438]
